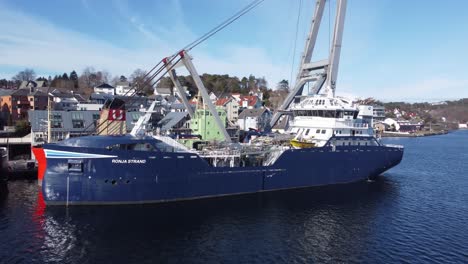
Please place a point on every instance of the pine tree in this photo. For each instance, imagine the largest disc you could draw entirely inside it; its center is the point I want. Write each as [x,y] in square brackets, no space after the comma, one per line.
[74,78]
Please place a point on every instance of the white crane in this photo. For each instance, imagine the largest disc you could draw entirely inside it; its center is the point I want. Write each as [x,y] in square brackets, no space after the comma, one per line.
[323,72]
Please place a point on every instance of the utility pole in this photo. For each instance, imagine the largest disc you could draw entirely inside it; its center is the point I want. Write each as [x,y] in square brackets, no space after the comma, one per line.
[49,126]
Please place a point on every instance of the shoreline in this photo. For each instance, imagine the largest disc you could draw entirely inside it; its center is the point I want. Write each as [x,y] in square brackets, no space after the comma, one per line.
[418,134]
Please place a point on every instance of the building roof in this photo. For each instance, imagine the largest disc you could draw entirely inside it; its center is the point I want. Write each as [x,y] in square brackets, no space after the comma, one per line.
[251,99]
[223,101]
[79,98]
[5,92]
[171,119]
[37,93]
[105,86]
[59,92]
[27,84]
[252,113]
[21,92]
[100,96]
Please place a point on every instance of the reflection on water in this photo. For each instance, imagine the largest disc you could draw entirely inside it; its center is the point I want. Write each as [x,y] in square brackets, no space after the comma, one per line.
[289,225]
[415,213]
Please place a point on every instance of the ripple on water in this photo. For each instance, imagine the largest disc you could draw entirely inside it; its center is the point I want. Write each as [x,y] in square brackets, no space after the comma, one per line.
[417,213]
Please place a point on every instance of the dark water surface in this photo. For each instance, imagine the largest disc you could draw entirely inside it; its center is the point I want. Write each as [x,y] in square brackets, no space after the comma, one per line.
[415,213]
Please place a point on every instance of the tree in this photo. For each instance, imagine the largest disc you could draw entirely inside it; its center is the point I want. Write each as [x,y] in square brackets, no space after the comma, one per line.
[104,76]
[74,78]
[26,75]
[262,83]
[65,76]
[244,83]
[122,78]
[165,82]
[283,85]
[86,80]
[252,82]
[141,82]
[22,128]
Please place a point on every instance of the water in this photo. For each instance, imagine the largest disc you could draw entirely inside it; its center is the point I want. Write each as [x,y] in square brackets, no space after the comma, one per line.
[416,213]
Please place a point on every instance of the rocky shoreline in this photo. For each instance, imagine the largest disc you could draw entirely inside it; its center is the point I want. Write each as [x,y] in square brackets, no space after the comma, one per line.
[416,134]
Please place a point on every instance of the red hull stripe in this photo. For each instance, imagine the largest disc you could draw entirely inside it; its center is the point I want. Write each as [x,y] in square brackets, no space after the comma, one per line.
[42,162]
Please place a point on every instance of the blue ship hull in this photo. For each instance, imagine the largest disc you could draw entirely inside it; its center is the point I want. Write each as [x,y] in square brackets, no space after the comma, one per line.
[122,177]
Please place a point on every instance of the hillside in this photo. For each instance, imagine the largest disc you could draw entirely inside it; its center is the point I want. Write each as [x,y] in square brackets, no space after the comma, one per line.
[452,111]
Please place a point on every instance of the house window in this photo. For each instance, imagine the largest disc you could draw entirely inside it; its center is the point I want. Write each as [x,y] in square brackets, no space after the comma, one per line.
[56,121]
[323,131]
[77,120]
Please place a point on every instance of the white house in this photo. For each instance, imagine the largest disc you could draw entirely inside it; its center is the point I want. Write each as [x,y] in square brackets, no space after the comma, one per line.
[258,119]
[105,89]
[213,97]
[124,88]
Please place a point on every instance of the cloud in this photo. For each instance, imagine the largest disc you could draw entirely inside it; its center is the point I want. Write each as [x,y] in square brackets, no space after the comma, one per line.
[28,41]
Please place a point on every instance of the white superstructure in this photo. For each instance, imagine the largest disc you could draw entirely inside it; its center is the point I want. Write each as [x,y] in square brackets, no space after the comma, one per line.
[319,117]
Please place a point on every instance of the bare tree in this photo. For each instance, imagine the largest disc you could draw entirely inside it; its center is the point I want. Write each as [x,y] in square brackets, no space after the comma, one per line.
[91,78]
[141,83]
[85,81]
[26,75]
[104,76]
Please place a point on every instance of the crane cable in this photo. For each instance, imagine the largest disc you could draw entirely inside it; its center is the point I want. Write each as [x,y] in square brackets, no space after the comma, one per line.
[149,81]
[188,47]
[221,26]
[295,42]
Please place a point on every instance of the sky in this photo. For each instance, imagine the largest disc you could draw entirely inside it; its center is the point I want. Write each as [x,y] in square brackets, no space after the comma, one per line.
[392,49]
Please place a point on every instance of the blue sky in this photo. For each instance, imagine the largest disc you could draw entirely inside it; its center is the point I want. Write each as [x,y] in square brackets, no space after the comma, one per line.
[392,50]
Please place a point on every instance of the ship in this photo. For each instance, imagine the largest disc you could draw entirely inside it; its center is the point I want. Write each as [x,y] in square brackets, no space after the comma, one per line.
[330,141]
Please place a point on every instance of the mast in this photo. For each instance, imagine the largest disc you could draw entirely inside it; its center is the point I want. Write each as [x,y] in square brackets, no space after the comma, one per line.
[49,125]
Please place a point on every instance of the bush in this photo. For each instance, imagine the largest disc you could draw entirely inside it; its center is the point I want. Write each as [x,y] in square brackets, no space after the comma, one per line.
[22,128]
